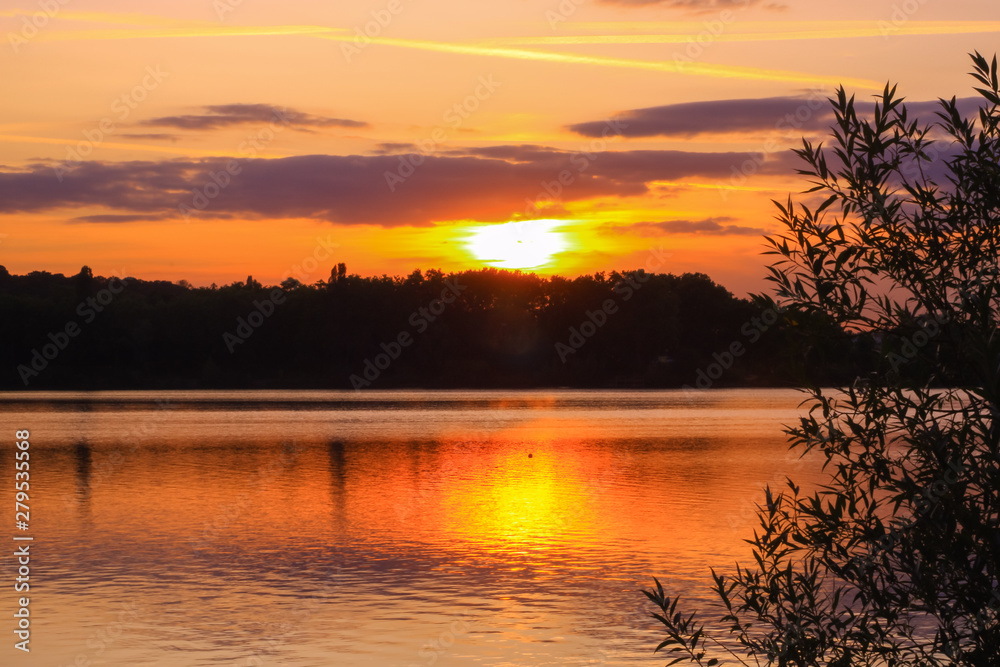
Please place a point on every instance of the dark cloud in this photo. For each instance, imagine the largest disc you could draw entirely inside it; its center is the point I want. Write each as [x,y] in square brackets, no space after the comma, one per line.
[707,227]
[513,153]
[116,219]
[226,115]
[802,114]
[634,167]
[389,147]
[486,183]
[153,136]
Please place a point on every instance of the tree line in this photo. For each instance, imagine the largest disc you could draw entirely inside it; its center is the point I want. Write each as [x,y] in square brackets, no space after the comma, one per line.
[477,329]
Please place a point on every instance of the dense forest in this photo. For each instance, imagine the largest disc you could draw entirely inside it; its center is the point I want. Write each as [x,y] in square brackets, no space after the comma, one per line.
[484,328]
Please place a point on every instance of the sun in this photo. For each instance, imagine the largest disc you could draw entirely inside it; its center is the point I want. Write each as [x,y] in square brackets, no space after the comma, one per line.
[526,244]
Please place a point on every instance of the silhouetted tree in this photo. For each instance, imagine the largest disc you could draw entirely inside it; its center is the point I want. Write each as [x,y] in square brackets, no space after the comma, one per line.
[500,330]
[84,282]
[894,560]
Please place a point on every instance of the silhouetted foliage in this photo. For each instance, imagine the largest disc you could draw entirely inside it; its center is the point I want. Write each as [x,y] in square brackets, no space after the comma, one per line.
[894,560]
[501,330]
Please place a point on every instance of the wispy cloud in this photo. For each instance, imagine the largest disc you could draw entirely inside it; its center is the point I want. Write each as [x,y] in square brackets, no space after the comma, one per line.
[152,136]
[119,219]
[390,147]
[171,28]
[226,115]
[111,18]
[751,32]
[188,29]
[671,66]
[716,226]
[118,145]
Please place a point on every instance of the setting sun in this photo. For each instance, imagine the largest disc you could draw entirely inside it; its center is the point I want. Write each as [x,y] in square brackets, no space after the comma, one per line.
[527,244]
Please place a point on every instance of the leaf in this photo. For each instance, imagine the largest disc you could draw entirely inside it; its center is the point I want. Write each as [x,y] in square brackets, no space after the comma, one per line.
[989,95]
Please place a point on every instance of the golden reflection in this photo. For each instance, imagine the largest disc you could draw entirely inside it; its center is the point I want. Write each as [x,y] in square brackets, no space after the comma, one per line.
[530,491]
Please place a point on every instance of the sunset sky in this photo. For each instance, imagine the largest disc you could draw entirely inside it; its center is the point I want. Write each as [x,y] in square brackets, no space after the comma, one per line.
[209,139]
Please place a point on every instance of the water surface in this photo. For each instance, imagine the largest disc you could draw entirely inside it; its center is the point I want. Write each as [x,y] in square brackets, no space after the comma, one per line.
[392,528]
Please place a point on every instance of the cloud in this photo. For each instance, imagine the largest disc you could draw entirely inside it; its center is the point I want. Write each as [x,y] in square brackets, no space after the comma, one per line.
[188,29]
[801,114]
[389,147]
[680,32]
[716,116]
[226,115]
[118,218]
[629,167]
[153,136]
[118,145]
[486,184]
[689,68]
[708,227]
[170,29]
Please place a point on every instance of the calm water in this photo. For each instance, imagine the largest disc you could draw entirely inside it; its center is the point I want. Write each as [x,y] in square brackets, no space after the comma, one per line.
[392,528]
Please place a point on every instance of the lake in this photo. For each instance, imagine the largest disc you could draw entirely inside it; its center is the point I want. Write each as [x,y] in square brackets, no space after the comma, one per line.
[408,528]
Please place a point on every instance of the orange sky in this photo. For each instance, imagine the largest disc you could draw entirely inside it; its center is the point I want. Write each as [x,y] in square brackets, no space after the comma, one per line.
[209,139]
